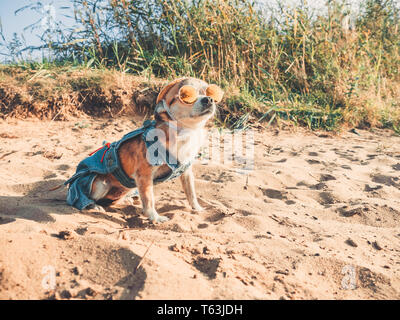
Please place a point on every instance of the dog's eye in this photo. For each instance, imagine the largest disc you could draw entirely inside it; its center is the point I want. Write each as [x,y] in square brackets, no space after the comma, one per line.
[215,92]
[187,94]
[172,101]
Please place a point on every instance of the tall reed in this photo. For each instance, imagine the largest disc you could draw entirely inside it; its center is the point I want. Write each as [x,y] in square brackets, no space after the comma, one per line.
[315,69]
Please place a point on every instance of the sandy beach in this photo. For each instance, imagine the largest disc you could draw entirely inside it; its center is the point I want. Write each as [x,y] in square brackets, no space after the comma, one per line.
[317,218]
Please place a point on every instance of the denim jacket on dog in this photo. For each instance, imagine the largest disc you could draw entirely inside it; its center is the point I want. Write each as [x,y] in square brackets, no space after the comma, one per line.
[106,160]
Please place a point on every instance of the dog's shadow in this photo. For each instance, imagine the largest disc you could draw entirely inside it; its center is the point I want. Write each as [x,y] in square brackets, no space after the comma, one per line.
[133,282]
[35,202]
[39,203]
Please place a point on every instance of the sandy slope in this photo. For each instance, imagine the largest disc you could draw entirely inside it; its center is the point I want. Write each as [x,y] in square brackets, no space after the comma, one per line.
[314,207]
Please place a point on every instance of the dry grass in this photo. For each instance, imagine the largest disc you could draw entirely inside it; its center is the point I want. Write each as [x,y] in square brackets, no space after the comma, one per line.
[60,92]
[312,70]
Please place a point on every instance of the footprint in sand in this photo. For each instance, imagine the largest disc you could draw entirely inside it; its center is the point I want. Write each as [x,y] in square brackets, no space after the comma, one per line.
[326,198]
[318,186]
[50,176]
[396,167]
[345,155]
[371,280]
[274,194]
[386,180]
[370,188]
[222,177]
[208,267]
[326,177]
[63,167]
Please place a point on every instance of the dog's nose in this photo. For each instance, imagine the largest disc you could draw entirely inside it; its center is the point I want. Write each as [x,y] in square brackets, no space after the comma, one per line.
[206,101]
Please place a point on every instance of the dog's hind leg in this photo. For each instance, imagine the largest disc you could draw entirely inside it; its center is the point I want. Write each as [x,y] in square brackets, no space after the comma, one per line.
[100,187]
[187,180]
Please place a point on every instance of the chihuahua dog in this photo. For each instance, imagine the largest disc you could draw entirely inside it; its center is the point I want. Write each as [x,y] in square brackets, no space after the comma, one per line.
[183,108]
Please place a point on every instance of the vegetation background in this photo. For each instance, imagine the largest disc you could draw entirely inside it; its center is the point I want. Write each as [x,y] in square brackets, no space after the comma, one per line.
[325,70]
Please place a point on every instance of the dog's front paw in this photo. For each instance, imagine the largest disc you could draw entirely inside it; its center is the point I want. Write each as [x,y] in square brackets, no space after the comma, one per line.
[155,217]
[197,208]
[161,219]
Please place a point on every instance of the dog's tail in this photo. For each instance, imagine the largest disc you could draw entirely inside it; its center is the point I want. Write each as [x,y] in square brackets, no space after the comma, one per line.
[57,187]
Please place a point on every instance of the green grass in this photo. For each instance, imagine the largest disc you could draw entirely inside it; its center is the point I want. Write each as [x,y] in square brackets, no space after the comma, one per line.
[310,70]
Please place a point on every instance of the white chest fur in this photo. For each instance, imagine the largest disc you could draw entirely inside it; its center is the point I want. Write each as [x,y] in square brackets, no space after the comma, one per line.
[184,145]
[188,143]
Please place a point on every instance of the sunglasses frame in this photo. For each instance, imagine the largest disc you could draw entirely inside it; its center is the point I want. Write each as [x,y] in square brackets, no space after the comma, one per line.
[197,94]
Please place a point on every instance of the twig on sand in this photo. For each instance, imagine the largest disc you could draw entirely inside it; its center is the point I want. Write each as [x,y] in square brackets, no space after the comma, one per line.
[141,260]
[6,154]
[313,176]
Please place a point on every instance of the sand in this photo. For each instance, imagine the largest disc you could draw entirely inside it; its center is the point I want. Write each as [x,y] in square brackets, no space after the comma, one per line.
[317,218]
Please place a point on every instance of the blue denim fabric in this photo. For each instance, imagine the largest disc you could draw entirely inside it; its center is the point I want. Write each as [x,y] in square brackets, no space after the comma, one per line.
[80,184]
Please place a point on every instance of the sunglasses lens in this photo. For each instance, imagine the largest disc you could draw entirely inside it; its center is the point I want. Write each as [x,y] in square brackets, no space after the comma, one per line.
[215,92]
[188,94]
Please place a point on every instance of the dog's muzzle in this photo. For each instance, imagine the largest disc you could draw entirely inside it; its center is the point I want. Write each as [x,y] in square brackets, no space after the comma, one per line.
[207,104]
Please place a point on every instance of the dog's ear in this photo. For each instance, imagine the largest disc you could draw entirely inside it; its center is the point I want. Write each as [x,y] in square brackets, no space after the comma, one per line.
[214,92]
[187,94]
[165,90]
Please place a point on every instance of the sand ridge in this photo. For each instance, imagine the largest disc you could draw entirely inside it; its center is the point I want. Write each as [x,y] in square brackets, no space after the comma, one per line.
[318,218]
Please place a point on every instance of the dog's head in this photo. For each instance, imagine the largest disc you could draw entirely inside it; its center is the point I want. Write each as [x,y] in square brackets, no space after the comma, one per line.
[189,101]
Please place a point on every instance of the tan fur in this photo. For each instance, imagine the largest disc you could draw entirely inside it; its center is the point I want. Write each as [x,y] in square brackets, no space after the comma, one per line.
[167,88]
[191,119]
